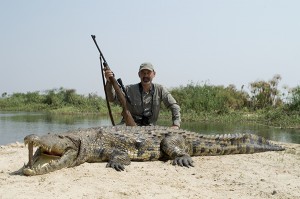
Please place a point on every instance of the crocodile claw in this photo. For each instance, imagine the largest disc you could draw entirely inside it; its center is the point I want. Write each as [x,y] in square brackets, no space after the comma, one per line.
[115,165]
[185,161]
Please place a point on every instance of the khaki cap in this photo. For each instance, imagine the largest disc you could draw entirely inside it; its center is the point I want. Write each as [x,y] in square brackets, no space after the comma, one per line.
[147,66]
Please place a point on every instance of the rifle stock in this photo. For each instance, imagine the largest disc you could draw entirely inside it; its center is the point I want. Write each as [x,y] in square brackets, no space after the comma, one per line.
[129,121]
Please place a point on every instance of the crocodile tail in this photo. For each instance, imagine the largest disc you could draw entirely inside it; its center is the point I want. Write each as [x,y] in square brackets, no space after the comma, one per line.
[251,143]
[233,144]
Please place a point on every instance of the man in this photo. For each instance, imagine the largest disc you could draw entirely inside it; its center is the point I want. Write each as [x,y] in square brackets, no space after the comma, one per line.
[145,98]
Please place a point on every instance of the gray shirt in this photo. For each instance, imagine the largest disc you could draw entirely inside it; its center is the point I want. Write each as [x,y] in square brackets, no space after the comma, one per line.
[146,106]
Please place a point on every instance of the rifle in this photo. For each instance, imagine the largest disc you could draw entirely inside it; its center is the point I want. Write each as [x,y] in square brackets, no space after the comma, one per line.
[125,112]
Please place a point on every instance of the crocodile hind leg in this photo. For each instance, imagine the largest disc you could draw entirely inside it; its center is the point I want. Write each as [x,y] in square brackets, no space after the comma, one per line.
[175,147]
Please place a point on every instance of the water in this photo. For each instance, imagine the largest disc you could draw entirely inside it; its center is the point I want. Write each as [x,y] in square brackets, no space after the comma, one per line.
[14,126]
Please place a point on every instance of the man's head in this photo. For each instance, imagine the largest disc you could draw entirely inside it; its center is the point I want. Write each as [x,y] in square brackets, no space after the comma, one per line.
[146,73]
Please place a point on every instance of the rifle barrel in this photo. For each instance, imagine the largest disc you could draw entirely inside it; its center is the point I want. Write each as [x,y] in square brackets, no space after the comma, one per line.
[105,92]
[101,54]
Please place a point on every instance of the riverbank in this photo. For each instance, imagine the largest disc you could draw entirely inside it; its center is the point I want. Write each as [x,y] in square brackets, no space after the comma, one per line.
[199,103]
[261,175]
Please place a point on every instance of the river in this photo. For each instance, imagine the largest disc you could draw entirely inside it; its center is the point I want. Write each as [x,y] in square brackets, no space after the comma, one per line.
[14,126]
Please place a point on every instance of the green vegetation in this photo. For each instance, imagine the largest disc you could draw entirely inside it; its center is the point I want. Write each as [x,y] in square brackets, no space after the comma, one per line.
[65,101]
[263,104]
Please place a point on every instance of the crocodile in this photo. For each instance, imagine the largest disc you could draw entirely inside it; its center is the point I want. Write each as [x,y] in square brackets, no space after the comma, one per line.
[119,145]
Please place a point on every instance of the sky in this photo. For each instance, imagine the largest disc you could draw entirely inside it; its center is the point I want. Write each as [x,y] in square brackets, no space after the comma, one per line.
[47,44]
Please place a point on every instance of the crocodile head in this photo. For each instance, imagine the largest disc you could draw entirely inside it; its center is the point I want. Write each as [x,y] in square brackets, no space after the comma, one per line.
[53,152]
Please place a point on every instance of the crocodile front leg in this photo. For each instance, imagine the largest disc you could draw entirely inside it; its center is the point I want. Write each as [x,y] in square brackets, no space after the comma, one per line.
[117,159]
[175,147]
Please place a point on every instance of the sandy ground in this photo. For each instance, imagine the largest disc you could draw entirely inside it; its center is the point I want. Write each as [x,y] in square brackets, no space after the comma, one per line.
[261,175]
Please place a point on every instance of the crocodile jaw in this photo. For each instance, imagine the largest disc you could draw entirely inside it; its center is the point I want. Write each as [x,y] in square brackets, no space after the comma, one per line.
[53,152]
[40,161]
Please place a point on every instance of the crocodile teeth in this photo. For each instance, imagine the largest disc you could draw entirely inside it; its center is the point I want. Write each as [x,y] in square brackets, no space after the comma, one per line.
[30,154]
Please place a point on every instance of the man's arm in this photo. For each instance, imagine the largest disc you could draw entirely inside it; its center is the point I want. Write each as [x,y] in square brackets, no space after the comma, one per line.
[112,82]
[176,117]
[111,94]
[171,104]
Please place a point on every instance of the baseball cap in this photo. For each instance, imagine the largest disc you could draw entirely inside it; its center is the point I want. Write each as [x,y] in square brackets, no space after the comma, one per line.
[147,66]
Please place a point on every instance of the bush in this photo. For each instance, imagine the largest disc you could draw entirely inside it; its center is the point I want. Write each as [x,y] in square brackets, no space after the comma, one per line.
[265,94]
[208,98]
[55,99]
[294,100]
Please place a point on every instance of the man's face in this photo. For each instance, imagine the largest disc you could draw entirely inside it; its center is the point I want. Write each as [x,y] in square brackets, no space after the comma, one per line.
[146,76]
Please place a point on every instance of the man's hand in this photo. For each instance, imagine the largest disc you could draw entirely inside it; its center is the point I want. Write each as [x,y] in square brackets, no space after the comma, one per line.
[108,73]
